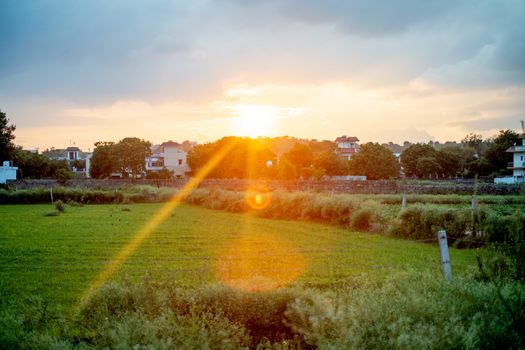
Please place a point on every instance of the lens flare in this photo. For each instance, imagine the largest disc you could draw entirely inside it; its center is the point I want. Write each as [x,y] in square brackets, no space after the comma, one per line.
[258,197]
[258,264]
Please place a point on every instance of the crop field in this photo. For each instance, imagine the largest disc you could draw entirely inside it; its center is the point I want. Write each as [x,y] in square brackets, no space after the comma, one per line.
[296,274]
[57,257]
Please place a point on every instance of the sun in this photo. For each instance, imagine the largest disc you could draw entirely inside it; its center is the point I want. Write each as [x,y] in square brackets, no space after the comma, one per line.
[254,120]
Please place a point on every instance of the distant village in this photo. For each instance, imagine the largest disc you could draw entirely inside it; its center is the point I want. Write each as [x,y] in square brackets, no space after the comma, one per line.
[171,158]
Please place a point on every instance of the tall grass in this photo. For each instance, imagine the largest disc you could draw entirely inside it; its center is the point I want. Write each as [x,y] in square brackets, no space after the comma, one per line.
[379,213]
[408,310]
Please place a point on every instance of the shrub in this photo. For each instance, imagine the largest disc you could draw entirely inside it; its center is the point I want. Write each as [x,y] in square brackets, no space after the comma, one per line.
[505,257]
[407,310]
[60,206]
[62,175]
[414,310]
[420,222]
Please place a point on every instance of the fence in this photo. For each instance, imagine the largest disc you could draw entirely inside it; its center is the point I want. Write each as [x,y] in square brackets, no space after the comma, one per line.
[327,186]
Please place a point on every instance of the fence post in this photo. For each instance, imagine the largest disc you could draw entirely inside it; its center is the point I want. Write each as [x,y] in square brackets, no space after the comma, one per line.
[473,211]
[443,254]
[404,201]
[51,193]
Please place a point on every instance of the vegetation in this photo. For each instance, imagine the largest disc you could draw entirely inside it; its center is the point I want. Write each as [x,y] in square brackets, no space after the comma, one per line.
[7,136]
[473,157]
[356,291]
[57,257]
[376,213]
[375,162]
[103,161]
[127,157]
[408,310]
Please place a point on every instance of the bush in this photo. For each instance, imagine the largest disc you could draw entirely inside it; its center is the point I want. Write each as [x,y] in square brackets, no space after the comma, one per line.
[407,310]
[505,257]
[423,221]
[62,175]
[60,206]
[413,310]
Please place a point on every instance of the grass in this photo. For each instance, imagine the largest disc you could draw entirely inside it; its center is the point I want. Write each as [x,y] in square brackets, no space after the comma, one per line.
[58,257]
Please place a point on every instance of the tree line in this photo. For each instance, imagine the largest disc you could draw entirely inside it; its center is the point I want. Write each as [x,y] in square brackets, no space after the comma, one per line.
[285,158]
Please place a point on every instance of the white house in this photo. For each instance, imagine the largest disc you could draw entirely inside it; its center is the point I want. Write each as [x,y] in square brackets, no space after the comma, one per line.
[169,155]
[347,146]
[7,172]
[78,162]
[517,166]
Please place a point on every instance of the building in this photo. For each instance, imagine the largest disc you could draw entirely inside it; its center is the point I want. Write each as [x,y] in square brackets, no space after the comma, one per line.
[7,172]
[517,166]
[78,162]
[169,155]
[347,146]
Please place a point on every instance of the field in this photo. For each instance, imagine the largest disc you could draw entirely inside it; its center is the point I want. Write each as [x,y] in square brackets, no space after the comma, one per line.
[58,256]
[295,274]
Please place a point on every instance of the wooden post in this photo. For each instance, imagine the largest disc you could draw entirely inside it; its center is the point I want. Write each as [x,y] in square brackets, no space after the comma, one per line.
[404,201]
[443,254]
[473,210]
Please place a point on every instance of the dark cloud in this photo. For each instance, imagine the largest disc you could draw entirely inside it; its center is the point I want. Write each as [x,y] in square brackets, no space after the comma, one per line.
[101,51]
[369,18]
[484,124]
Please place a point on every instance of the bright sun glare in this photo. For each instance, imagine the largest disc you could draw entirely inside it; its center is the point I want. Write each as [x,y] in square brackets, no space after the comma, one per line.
[254,120]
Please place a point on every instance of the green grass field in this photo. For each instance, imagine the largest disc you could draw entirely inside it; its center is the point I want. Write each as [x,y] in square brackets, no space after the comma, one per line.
[57,257]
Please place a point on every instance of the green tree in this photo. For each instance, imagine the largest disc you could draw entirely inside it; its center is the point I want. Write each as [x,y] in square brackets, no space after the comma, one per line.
[332,164]
[286,170]
[7,147]
[449,163]
[496,154]
[131,155]
[375,162]
[428,167]
[62,175]
[162,174]
[104,160]
[200,155]
[301,156]
[475,141]
[36,166]
[453,160]
[246,159]
[412,154]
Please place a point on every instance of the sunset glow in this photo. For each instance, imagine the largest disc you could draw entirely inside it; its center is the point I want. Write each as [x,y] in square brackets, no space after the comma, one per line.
[254,120]
[257,262]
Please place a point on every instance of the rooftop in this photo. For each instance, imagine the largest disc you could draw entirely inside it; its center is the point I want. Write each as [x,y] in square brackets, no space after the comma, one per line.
[345,138]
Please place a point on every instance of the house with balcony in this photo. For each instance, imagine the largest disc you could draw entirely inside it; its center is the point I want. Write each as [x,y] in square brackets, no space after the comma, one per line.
[78,162]
[517,165]
[169,155]
[347,146]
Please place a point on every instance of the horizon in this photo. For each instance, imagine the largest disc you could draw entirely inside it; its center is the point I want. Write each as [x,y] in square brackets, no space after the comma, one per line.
[200,70]
[90,149]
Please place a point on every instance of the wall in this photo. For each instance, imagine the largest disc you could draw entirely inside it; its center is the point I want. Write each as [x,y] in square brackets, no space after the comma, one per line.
[336,186]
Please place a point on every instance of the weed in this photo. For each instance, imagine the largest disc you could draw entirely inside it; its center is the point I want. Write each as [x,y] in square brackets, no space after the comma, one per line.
[60,206]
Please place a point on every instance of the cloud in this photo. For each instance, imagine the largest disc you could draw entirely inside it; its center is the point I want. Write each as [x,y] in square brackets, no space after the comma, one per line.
[511,122]
[427,64]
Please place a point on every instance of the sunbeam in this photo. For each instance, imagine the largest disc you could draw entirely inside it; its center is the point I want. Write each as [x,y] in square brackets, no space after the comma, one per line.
[155,221]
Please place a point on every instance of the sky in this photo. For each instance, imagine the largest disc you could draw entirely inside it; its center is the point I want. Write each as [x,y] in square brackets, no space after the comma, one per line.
[77,72]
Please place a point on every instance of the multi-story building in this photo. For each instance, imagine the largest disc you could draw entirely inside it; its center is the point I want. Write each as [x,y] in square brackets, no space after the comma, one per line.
[78,162]
[169,155]
[518,164]
[347,146]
